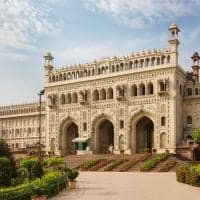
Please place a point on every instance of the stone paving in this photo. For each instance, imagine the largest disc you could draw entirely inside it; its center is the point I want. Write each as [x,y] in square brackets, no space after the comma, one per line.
[129,186]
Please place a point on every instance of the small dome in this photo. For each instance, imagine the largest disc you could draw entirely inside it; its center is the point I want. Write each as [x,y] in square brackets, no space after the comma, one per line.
[48,56]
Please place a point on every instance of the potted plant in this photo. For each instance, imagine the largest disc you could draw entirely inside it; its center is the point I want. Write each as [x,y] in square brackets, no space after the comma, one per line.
[72,175]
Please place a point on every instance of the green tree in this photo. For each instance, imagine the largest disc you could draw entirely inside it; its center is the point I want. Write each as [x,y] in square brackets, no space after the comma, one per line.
[196,135]
[28,163]
[5,171]
[6,152]
[37,170]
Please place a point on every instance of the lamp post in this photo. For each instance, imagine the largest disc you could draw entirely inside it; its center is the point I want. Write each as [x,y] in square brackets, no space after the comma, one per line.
[40,123]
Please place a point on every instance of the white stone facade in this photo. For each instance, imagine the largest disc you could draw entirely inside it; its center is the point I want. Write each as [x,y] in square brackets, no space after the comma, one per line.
[133,102]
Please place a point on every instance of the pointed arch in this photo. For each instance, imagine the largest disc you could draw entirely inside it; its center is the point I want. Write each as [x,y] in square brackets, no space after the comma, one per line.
[110,93]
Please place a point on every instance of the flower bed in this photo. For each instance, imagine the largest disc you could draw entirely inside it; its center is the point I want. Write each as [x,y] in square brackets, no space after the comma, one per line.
[188,174]
[114,164]
[50,184]
[167,166]
[153,162]
[100,165]
[90,163]
[134,162]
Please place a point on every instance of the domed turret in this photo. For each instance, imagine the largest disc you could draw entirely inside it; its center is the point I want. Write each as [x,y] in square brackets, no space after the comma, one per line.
[48,58]
[195,66]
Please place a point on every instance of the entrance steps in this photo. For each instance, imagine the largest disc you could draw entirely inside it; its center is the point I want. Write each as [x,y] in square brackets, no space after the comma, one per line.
[73,161]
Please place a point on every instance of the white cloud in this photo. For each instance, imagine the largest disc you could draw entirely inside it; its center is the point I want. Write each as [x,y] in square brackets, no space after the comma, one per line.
[136,13]
[88,53]
[21,22]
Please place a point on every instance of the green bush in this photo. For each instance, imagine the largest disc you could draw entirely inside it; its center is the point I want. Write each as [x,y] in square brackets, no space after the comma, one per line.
[192,176]
[167,166]
[6,152]
[22,173]
[5,172]
[153,162]
[181,173]
[114,164]
[54,163]
[28,164]
[50,184]
[37,170]
[196,135]
[90,163]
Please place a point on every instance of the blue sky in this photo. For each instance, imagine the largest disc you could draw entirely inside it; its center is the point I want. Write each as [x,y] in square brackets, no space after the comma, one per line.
[77,31]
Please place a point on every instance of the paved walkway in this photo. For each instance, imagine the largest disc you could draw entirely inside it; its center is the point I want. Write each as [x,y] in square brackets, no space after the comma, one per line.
[129,186]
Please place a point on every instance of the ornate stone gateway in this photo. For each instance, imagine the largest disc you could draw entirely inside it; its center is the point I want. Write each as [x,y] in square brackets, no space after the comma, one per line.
[144,135]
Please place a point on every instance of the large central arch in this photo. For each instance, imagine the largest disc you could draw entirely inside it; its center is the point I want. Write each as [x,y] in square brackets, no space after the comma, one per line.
[141,131]
[103,135]
[68,132]
[144,135]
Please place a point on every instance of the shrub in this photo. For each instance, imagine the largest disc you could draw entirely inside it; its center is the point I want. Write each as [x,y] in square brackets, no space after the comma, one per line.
[37,170]
[28,163]
[167,166]
[6,152]
[153,162]
[5,172]
[181,173]
[196,135]
[54,162]
[131,163]
[22,173]
[50,184]
[114,164]
[72,175]
[100,165]
[90,163]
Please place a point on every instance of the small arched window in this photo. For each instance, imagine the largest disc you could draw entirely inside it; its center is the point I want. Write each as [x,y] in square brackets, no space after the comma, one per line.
[189,91]
[102,94]
[189,121]
[134,90]
[74,97]
[121,124]
[196,91]
[69,98]
[142,89]
[150,88]
[163,121]
[110,93]
[168,59]
[95,95]
[62,99]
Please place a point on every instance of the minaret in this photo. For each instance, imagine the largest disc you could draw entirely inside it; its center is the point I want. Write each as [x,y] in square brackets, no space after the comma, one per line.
[48,65]
[195,66]
[174,43]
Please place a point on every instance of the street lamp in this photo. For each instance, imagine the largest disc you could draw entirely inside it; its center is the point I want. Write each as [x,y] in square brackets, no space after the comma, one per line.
[40,122]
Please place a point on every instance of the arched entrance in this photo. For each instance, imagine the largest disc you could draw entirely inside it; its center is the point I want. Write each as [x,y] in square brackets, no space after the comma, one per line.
[144,134]
[69,131]
[104,136]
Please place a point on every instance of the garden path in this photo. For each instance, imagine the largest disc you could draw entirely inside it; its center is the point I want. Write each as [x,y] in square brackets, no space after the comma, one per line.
[129,186]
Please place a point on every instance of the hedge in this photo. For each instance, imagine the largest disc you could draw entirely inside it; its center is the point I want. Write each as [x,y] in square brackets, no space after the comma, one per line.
[50,184]
[153,162]
[167,166]
[131,163]
[90,163]
[114,164]
[188,174]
